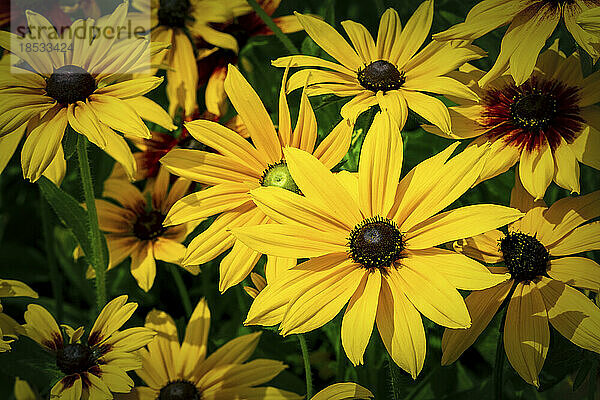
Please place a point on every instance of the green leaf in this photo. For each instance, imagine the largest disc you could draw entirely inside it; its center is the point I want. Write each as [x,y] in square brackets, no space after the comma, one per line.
[69,142]
[69,211]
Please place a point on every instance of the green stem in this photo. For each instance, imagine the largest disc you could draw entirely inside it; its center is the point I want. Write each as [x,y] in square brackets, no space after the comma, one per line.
[287,43]
[97,257]
[307,372]
[55,277]
[183,292]
[498,368]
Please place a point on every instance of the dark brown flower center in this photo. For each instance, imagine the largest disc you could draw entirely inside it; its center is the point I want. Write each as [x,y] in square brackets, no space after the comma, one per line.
[539,110]
[376,243]
[524,256]
[173,13]
[149,225]
[75,359]
[278,175]
[381,75]
[179,390]
[70,84]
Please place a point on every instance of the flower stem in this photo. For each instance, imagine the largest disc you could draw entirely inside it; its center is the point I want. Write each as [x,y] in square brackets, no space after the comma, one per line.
[97,258]
[498,367]
[183,293]
[287,43]
[55,277]
[307,372]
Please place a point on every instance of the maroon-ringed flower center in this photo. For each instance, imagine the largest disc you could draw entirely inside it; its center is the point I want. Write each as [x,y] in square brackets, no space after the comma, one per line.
[75,358]
[179,390]
[70,84]
[173,13]
[278,175]
[149,225]
[376,243]
[381,75]
[524,256]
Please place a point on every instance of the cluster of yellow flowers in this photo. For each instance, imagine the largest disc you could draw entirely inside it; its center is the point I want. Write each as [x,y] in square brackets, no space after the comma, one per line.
[385,249]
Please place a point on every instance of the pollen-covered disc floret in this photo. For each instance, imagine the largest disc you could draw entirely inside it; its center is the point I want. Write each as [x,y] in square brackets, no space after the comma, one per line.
[149,225]
[75,358]
[524,256]
[376,243]
[524,115]
[278,175]
[179,390]
[173,13]
[381,75]
[70,84]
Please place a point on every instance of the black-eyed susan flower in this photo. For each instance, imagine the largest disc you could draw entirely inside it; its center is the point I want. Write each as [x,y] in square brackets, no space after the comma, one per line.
[182,371]
[343,391]
[96,367]
[135,227]
[240,167]
[548,124]
[542,281]
[9,328]
[371,243]
[390,72]
[531,24]
[175,22]
[88,87]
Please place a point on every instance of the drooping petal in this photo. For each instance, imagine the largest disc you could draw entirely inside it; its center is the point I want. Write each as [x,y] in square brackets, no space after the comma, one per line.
[536,169]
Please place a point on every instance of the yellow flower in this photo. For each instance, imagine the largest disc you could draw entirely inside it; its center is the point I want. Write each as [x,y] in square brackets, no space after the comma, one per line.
[241,167]
[98,366]
[342,391]
[388,73]
[9,328]
[135,228]
[183,371]
[542,278]
[87,87]
[531,24]
[548,124]
[175,22]
[371,242]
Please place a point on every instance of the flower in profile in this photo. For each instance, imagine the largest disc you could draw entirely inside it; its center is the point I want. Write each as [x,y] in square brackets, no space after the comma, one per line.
[371,243]
[390,72]
[88,87]
[343,391]
[548,124]
[175,22]
[9,328]
[240,167]
[213,61]
[531,24]
[541,288]
[135,227]
[96,367]
[175,371]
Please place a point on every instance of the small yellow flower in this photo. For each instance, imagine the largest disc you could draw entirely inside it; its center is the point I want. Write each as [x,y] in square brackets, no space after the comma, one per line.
[371,243]
[531,24]
[390,72]
[96,367]
[533,252]
[240,167]
[135,228]
[548,124]
[183,371]
[9,328]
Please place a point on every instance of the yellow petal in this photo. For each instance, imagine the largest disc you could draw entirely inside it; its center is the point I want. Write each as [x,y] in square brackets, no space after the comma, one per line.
[131,87]
[236,265]
[394,103]
[401,328]
[253,112]
[482,306]
[361,40]
[165,346]
[413,35]
[536,169]
[195,340]
[568,213]
[566,167]
[526,332]
[151,111]
[118,115]
[359,317]
[42,327]
[310,61]
[584,238]
[343,391]
[330,41]
[460,223]
[388,36]
[334,147]
[484,247]
[429,108]
[380,166]
[235,351]
[304,136]
[111,318]
[576,271]
[83,120]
